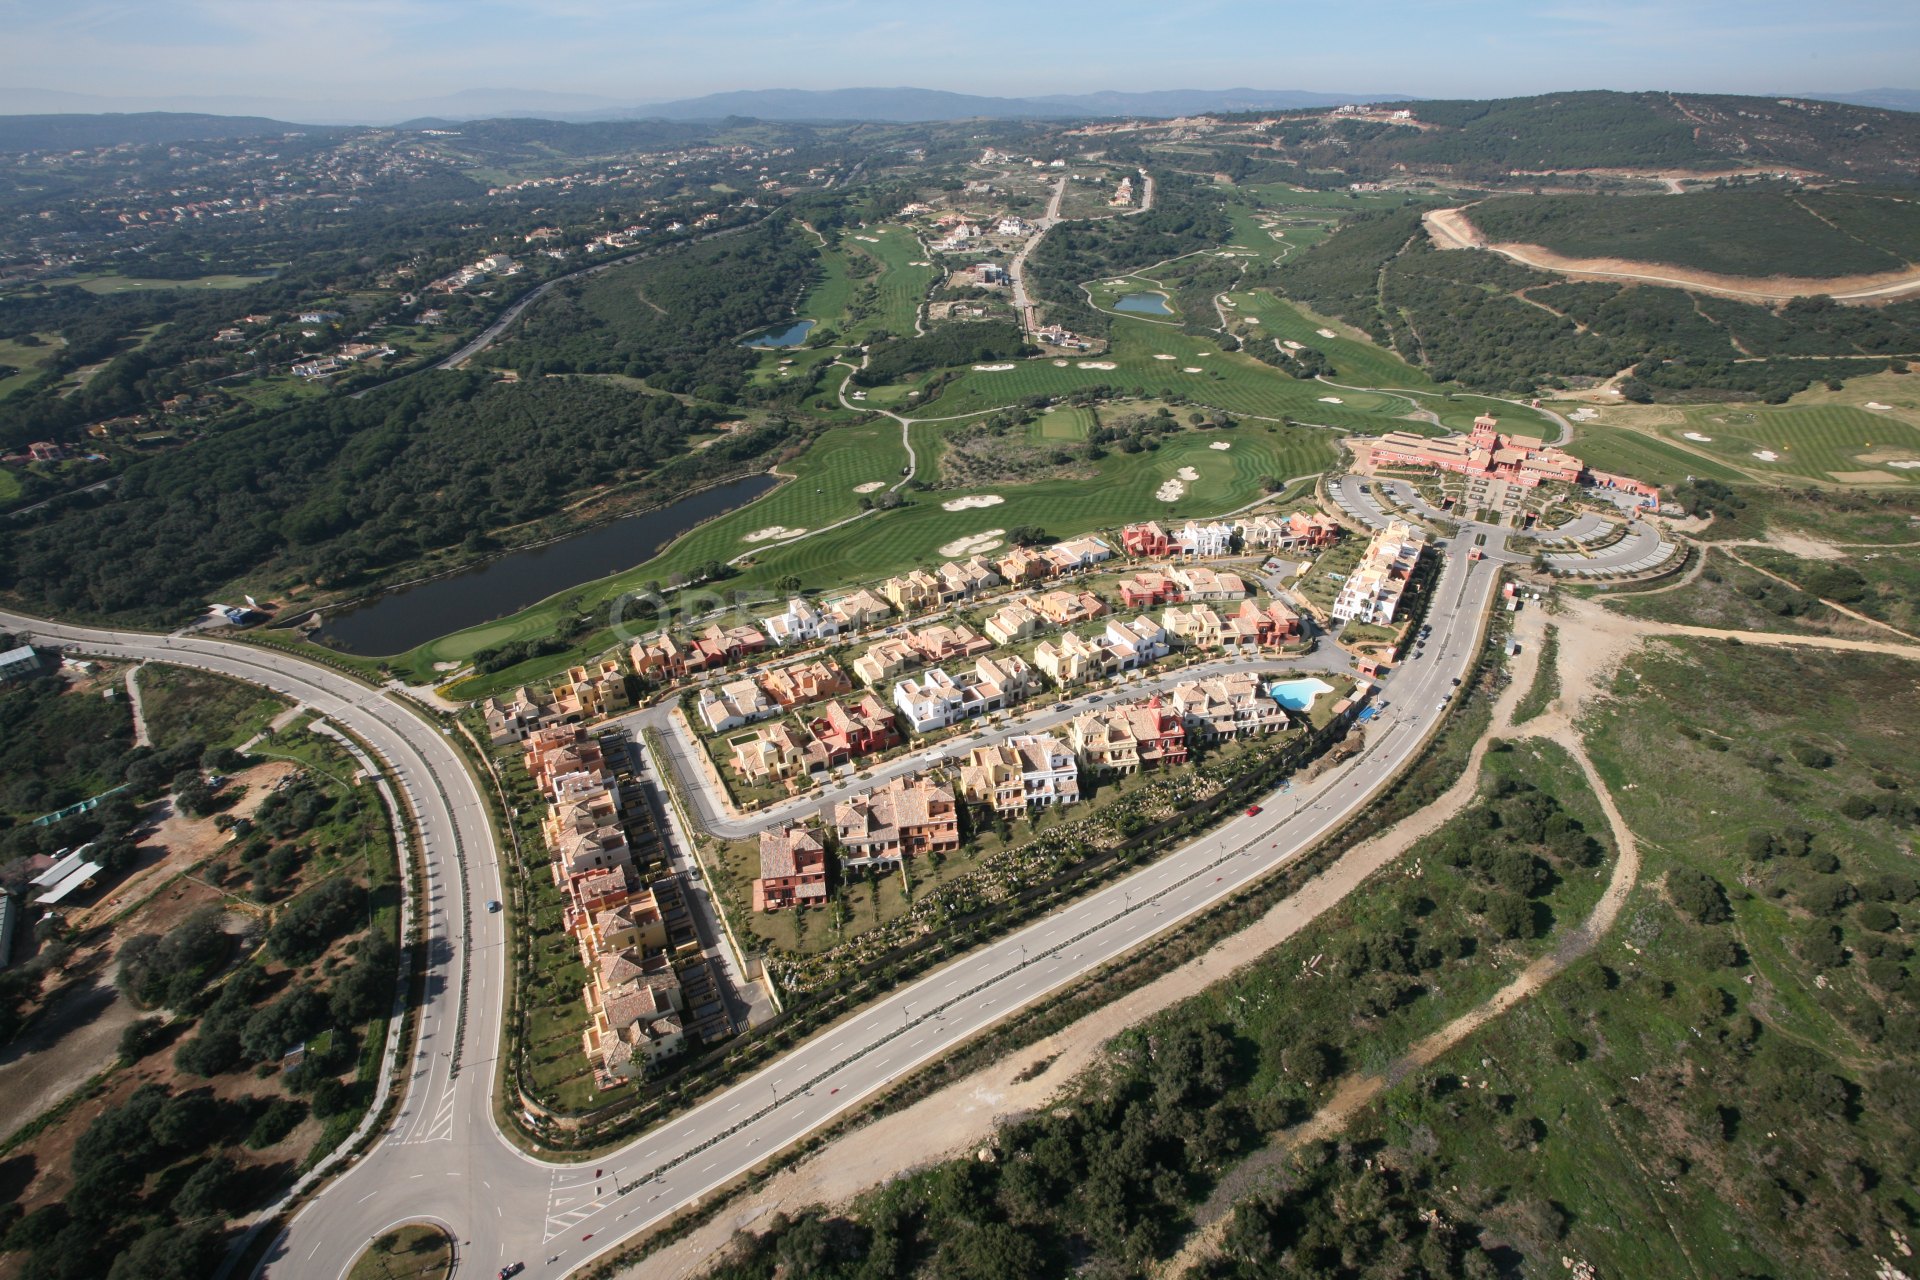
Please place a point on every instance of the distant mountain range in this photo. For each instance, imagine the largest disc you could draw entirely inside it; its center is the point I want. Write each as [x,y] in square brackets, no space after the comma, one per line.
[32,119]
[1886,99]
[904,104]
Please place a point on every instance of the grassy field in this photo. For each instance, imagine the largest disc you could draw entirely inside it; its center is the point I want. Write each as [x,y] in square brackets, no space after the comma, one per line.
[899,287]
[1355,360]
[1641,455]
[1063,423]
[134,284]
[1230,381]
[9,485]
[1838,443]
[26,359]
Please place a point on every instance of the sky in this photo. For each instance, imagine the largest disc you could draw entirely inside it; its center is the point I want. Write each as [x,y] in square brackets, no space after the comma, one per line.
[340,52]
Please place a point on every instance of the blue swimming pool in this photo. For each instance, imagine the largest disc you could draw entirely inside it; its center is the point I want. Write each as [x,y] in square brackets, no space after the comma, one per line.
[1297,695]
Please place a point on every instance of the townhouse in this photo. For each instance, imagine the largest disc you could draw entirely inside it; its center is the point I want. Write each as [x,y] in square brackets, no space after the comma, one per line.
[670,658]
[1027,771]
[936,700]
[1198,582]
[768,754]
[1024,564]
[1147,539]
[793,869]
[908,817]
[592,692]
[1226,707]
[1129,737]
[1193,539]
[960,579]
[943,642]
[1135,643]
[1077,554]
[735,703]
[513,717]
[1148,589]
[804,682]
[842,733]
[914,592]
[885,659]
[1068,608]
[1071,660]
[1011,622]
[800,623]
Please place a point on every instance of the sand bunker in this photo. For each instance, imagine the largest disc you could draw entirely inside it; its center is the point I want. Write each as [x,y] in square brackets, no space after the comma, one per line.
[1906,464]
[1766,455]
[1222,445]
[1326,333]
[1098,364]
[1291,345]
[771,533]
[870,486]
[1059,364]
[1697,437]
[1331,400]
[991,368]
[1170,491]
[1187,473]
[1162,356]
[1875,404]
[973,500]
[973,544]
[868,239]
[1583,415]
[921,263]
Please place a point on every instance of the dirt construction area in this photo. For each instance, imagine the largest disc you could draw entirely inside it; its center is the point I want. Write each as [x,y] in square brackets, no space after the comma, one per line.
[77,1032]
[1452,229]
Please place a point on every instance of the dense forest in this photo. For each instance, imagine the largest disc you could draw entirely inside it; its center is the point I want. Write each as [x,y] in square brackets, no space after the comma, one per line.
[335,491]
[676,320]
[1777,230]
[1491,323]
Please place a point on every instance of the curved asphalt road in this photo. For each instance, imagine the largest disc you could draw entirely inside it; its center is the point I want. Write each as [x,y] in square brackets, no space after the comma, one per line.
[444,1158]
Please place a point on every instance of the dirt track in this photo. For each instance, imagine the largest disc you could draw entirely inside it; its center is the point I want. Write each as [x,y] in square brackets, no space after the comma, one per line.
[1452,229]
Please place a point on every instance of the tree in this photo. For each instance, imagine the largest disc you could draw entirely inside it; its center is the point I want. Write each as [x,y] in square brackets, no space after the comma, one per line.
[1698,896]
[172,1253]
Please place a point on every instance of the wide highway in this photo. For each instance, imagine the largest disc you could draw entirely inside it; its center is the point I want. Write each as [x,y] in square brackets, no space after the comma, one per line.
[445,1159]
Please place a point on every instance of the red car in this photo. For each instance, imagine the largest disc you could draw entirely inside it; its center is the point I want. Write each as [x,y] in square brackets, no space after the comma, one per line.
[1253,810]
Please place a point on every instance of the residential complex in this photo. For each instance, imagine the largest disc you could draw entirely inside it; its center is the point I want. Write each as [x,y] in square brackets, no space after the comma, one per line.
[1297,532]
[1372,591]
[649,989]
